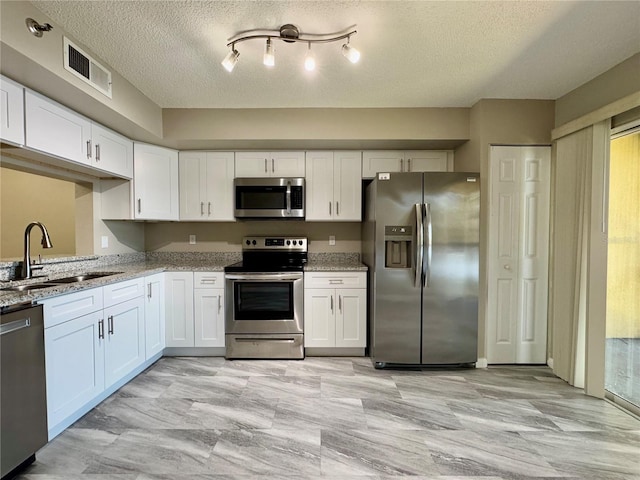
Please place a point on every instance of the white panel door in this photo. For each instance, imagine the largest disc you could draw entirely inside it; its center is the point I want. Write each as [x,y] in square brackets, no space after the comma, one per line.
[155,183]
[74,353]
[287,164]
[154,315]
[11,111]
[425,161]
[319,317]
[347,186]
[56,130]
[179,309]
[351,318]
[253,164]
[192,185]
[319,186]
[219,174]
[209,317]
[112,152]
[124,346]
[374,161]
[518,255]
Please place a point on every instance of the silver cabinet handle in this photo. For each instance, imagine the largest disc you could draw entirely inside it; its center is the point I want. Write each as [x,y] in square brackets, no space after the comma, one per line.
[331,303]
[88,148]
[209,208]
[265,166]
[401,165]
[219,303]
[329,208]
[150,294]
[110,324]
[273,165]
[139,205]
[201,208]
[409,165]
[101,329]
[97,152]
[338,208]
[15,325]
[335,281]
[340,303]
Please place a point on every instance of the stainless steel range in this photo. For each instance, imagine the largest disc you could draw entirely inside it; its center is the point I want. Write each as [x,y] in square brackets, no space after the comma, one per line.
[264,298]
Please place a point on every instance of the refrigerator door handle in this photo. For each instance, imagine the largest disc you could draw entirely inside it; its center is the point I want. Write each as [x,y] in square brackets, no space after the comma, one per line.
[427,276]
[419,244]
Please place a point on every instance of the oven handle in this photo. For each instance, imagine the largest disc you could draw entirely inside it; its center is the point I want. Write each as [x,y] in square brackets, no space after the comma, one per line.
[267,277]
[289,198]
[260,339]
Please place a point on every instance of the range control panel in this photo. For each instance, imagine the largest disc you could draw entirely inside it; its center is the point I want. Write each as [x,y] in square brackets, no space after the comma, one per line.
[290,244]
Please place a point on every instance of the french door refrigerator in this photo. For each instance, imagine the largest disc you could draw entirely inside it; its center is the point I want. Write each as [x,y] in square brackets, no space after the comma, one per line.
[420,241]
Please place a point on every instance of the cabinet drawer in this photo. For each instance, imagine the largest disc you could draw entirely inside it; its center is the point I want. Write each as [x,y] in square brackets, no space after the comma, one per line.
[66,307]
[335,280]
[123,291]
[208,279]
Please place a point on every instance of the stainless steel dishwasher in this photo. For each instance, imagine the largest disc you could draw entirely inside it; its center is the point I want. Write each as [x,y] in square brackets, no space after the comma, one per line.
[23,400]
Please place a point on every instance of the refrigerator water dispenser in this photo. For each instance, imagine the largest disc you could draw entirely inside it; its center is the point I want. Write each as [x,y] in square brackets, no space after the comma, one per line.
[397,246]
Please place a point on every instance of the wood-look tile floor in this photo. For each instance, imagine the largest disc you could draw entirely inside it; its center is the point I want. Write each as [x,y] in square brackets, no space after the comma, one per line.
[339,418]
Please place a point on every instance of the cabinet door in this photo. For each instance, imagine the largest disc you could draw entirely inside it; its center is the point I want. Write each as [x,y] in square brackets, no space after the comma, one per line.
[287,164]
[11,111]
[347,186]
[319,317]
[351,318]
[319,186]
[426,161]
[124,346]
[219,174]
[253,164]
[374,161]
[209,317]
[179,309]
[193,184]
[112,152]
[56,130]
[74,355]
[154,308]
[155,176]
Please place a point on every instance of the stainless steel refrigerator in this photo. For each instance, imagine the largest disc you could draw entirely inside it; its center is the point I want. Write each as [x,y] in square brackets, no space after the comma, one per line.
[420,241]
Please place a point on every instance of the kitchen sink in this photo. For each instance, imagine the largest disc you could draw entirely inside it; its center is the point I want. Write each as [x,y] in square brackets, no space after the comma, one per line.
[83,278]
[26,288]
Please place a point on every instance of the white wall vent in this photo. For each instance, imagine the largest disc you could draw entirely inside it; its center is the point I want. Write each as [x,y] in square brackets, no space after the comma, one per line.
[86,68]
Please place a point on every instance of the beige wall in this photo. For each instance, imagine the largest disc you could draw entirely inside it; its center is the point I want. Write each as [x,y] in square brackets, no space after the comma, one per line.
[227,237]
[25,198]
[612,85]
[38,64]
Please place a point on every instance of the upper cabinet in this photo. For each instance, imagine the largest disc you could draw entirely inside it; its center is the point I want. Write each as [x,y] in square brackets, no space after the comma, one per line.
[56,130]
[155,183]
[333,186]
[374,161]
[206,186]
[269,164]
[12,114]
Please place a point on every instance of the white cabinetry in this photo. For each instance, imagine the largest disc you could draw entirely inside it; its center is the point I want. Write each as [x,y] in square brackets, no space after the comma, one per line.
[56,130]
[333,186]
[335,310]
[206,185]
[11,111]
[155,183]
[195,316]
[269,164]
[374,161]
[154,317]
[94,342]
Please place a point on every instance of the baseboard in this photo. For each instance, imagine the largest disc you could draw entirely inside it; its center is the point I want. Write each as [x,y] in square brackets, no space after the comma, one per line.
[333,352]
[482,363]
[194,352]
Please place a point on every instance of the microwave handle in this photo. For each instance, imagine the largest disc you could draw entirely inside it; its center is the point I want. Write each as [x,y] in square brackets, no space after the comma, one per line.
[289,198]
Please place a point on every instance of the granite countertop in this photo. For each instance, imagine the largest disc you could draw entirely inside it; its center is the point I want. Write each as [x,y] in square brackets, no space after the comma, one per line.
[148,266]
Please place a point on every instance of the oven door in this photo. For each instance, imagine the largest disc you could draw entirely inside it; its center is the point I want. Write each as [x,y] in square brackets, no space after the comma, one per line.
[264,303]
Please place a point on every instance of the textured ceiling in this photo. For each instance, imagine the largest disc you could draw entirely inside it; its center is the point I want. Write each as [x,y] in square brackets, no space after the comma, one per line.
[414,53]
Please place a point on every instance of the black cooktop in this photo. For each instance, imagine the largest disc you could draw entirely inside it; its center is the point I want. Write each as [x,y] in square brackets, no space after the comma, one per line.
[271,254]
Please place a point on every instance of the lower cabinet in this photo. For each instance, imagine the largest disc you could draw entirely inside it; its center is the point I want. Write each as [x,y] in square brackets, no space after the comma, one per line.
[154,315]
[335,310]
[195,309]
[124,339]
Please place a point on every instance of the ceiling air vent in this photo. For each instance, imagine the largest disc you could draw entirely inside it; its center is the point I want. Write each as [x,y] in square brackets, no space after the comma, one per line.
[86,68]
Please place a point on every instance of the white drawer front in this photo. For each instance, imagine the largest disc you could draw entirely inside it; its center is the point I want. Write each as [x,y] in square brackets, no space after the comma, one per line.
[73,305]
[208,279]
[123,291]
[335,279]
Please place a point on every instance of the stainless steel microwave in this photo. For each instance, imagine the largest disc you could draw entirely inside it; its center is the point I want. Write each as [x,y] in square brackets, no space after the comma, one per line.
[277,198]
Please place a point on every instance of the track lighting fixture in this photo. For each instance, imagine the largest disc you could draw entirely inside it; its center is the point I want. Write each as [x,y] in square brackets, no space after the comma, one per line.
[290,33]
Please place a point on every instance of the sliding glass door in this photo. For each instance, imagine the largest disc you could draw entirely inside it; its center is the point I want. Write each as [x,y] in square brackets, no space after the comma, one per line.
[622,372]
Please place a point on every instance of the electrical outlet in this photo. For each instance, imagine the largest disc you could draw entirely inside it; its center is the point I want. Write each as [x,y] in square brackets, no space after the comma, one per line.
[104,241]
[192,239]
[332,239]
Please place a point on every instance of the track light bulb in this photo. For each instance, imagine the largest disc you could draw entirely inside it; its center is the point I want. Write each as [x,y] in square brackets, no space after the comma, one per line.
[230,60]
[269,58]
[309,61]
[352,54]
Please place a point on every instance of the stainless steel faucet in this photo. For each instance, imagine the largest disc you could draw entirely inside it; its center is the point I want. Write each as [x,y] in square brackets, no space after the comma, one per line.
[27,268]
